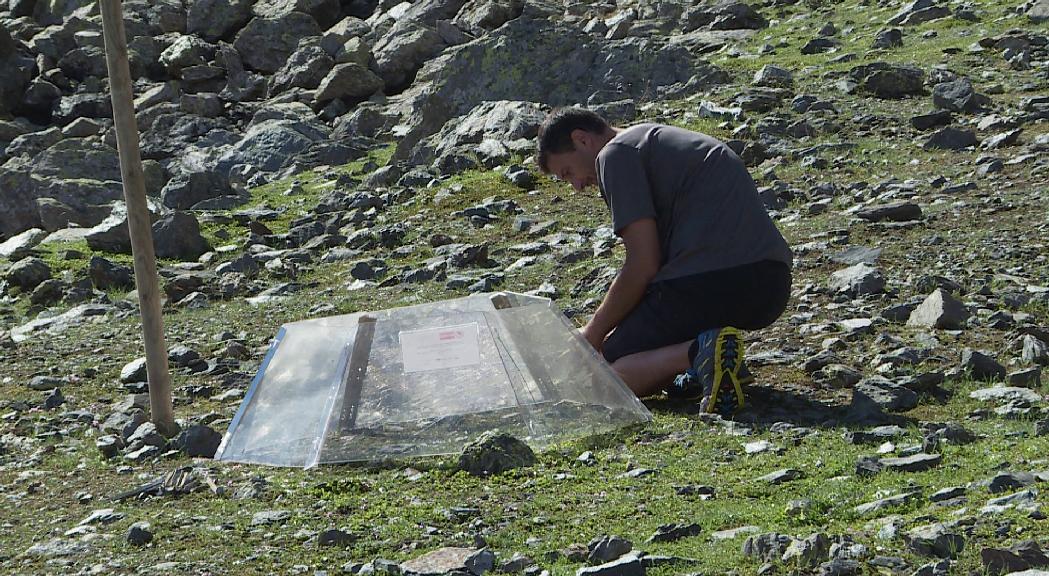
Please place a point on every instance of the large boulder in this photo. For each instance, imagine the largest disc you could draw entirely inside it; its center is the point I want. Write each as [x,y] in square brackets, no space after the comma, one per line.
[272,145]
[305,68]
[185,190]
[575,66]
[480,16]
[186,51]
[495,453]
[402,51]
[215,20]
[502,121]
[266,43]
[958,96]
[28,273]
[351,82]
[19,190]
[177,235]
[16,69]
[884,80]
[325,12]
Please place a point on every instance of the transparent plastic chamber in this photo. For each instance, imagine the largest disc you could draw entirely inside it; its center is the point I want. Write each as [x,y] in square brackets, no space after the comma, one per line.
[425,380]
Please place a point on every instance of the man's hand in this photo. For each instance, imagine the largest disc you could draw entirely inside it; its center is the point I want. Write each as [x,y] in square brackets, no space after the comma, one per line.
[595,339]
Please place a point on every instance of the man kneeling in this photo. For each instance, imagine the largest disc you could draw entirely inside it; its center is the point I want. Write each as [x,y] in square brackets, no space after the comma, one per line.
[703,258]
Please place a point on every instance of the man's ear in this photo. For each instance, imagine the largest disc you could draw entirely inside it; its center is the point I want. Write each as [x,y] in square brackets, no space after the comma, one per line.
[581,138]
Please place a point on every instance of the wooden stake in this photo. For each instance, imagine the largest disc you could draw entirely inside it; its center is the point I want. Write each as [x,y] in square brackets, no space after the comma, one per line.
[139,224]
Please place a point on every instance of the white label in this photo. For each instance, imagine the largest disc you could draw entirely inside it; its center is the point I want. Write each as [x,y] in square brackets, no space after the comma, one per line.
[438,348]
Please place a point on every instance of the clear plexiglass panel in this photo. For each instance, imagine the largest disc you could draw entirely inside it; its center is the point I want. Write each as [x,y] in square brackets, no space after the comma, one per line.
[425,380]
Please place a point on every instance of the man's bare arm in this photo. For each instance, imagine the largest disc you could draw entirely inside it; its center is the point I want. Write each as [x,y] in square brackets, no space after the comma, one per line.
[640,266]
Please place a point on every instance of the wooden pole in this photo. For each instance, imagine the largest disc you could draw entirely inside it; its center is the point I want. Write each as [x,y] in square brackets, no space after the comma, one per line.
[139,224]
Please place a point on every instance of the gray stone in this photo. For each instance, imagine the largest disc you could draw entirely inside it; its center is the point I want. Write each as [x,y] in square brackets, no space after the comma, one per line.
[402,51]
[197,441]
[674,532]
[184,52]
[215,20]
[951,139]
[808,551]
[958,96]
[885,503]
[782,476]
[21,245]
[892,212]
[139,534]
[857,280]
[935,540]
[28,273]
[335,537]
[773,76]
[1026,378]
[105,274]
[305,68]
[183,191]
[915,463]
[628,565]
[766,547]
[1009,481]
[58,548]
[875,394]
[919,11]
[888,38]
[450,561]
[177,236]
[981,366]
[268,517]
[494,453]
[134,371]
[1006,394]
[351,82]
[939,310]
[1033,350]
[890,81]
[265,44]
[606,548]
[1038,11]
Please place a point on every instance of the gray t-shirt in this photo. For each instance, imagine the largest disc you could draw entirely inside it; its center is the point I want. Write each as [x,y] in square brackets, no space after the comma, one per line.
[699,192]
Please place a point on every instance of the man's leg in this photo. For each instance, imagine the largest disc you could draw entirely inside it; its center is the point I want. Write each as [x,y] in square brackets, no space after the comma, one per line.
[649,372]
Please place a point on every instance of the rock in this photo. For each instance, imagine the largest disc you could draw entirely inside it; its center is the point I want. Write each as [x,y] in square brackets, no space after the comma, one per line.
[450,560]
[105,274]
[1006,394]
[888,38]
[607,548]
[139,534]
[915,463]
[265,44]
[939,310]
[134,371]
[352,82]
[893,212]
[305,68]
[1033,350]
[857,280]
[782,476]
[958,96]
[111,235]
[773,76]
[839,567]
[274,144]
[919,11]
[766,547]
[981,366]
[21,245]
[951,139]
[58,548]
[885,80]
[1010,481]
[934,540]
[1038,12]
[28,273]
[197,441]
[873,395]
[494,453]
[184,191]
[177,236]
[335,537]
[808,551]
[674,532]
[184,52]
[268,517]
[215,20]
[402,51]
[1026,378]
[628,565]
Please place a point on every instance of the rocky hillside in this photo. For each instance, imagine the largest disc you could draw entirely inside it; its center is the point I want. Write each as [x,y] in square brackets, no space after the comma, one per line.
[313,157]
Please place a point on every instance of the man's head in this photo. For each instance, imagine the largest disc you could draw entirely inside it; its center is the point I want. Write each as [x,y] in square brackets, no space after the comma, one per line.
[569,140]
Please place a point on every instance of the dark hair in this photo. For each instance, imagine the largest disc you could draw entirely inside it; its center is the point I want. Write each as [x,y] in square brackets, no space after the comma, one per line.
[555,133]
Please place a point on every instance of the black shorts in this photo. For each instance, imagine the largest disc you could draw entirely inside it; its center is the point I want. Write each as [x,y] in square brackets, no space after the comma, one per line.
[673,311]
